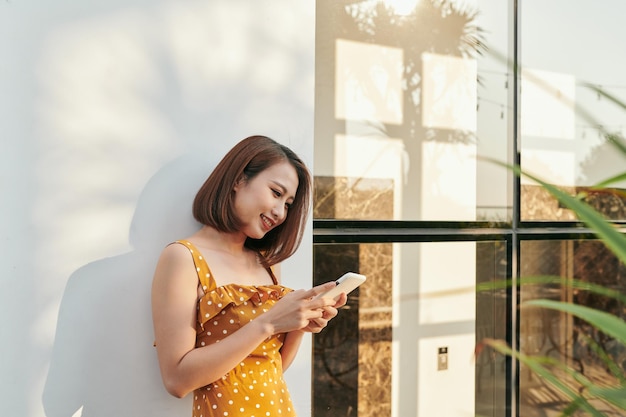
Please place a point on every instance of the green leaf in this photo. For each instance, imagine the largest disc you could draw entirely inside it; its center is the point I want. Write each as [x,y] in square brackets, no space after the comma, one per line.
[612,238]
[612,180]
[605,94]
[536,365]
[603,321]
[554,280]
[613,395]
[610,364]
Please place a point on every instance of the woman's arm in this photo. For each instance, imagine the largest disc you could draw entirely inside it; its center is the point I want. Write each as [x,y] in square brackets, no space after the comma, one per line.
[291,344]
[293,340]
[174,296]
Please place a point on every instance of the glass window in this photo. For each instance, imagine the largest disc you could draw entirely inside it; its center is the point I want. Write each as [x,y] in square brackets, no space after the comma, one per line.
[572,96]
[405,340]
[561,336]
[407,94]
[413,100]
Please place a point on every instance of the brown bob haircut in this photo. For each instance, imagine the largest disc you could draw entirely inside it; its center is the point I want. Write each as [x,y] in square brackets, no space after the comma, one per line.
[214,202]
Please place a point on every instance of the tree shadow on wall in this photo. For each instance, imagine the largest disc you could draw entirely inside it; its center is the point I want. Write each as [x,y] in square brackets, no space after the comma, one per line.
[434,26]
[103,360]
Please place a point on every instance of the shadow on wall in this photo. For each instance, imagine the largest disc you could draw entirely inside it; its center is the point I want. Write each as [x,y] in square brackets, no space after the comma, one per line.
[143,85]
[103,360]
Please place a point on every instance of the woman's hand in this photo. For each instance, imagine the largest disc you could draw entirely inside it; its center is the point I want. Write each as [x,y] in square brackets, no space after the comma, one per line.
[313,325]
[298,309]
[328,313]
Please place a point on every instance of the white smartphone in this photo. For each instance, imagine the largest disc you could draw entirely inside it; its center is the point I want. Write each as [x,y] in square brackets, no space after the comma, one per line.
[347,283]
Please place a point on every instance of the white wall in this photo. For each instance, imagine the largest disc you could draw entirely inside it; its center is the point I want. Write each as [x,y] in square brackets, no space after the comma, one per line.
[112,113]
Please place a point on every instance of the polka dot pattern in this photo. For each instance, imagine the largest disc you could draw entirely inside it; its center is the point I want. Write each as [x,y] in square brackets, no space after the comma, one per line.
[255,387]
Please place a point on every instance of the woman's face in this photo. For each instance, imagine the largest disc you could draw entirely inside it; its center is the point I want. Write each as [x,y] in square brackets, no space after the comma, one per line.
[262,203]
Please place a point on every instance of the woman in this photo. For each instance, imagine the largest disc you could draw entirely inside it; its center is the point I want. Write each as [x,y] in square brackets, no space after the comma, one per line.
[224,326]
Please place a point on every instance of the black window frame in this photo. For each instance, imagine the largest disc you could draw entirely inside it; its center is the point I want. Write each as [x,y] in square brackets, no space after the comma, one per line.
[328,231]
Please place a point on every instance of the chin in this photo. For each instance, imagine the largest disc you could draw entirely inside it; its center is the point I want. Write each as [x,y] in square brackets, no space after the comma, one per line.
[258,235]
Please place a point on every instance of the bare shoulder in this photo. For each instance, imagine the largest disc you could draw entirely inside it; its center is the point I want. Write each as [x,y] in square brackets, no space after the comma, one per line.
[176,252]
[174,298]
[176,263]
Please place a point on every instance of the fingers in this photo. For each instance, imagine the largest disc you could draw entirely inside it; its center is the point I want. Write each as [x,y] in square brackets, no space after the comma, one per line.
[329,312]
[341,301]
[324,314]
[306,312]
[319,289]
[316,325]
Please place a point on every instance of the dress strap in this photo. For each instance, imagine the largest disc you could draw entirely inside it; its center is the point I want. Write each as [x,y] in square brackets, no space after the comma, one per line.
[202,268]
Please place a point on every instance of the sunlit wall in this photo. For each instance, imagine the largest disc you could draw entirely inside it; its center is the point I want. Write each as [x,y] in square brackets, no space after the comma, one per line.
[112,114]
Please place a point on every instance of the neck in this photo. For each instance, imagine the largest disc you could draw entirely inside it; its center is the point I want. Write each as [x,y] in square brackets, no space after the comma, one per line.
[232,243]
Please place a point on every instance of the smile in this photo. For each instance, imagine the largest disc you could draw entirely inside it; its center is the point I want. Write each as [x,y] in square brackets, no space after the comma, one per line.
[267,221]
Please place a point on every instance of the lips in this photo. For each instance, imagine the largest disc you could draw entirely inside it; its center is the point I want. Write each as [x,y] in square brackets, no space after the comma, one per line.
[269,223]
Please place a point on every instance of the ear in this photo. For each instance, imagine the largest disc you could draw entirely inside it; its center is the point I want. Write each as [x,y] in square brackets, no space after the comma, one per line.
[239,183]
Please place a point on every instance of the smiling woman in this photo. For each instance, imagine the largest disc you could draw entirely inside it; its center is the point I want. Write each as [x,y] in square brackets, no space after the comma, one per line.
[224,326]
[216,200]
[271,193]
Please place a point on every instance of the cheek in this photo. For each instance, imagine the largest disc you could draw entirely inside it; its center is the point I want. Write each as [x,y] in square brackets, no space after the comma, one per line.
[288,215]
[239,206]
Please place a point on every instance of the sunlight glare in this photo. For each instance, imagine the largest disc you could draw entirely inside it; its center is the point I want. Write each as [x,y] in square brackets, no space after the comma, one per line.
[402,7]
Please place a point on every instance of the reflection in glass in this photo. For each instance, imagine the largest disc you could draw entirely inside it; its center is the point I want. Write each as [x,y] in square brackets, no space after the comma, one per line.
[561,336]
[405,340]
[567,106]
[368,82]
[352,357]
[404,97]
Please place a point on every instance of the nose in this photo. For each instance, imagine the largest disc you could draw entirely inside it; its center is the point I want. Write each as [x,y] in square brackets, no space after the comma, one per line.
[279,212]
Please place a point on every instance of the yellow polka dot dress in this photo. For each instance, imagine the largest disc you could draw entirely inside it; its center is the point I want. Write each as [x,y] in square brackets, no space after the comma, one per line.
[255,387]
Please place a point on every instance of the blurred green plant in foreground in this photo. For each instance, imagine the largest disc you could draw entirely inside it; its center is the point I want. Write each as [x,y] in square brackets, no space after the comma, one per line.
[581,393]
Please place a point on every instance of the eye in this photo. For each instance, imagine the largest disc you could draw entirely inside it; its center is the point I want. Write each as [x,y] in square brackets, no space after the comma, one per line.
[287,206]
[276,192]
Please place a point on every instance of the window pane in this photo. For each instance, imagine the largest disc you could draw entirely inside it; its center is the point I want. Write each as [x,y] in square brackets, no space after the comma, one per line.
[570,62]
[560,336]
[405,340]
[407,94]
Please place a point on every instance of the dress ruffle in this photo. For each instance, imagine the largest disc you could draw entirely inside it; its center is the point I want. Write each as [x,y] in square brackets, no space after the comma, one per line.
[214,301]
